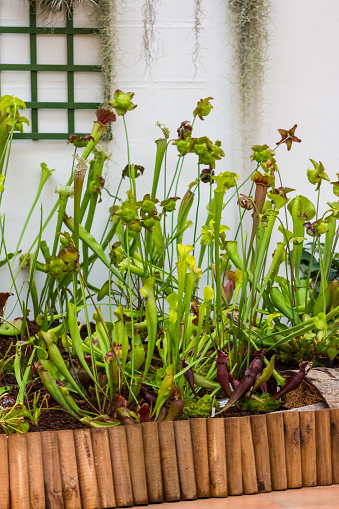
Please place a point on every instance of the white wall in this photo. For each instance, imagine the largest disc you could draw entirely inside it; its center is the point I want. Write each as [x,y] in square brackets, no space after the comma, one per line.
[301,87]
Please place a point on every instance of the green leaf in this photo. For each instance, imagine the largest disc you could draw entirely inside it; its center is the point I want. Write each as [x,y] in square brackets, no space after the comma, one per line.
[151,319]
[332,349]
[6,260]
[204,382]
[301,208]
[12,328]
[104,291]
[157,237]
[286,233]
[139,352]
[208,293]
[320,321]
[42,352]
[164,390]
[278,200]
[322,301]
[266,374]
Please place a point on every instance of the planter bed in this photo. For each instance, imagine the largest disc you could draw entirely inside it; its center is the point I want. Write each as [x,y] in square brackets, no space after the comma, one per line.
[169,461]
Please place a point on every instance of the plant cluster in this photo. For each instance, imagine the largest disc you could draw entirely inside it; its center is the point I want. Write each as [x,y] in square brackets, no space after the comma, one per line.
[185,324]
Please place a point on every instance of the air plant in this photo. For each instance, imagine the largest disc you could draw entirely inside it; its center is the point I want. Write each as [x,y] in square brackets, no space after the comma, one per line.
[148,46]
[51,6]
[249,26]
[198,15]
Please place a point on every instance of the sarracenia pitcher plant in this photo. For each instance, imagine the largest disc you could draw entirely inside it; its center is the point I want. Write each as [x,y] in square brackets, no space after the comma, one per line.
[180,321]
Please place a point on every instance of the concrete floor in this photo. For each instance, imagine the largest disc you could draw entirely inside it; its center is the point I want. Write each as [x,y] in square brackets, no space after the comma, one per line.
[321,497]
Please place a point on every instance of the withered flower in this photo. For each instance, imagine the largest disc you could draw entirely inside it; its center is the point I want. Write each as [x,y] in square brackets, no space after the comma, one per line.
[138,170]
[3,299]
[184,130]
[79,141]
[97,184]
[105,116]
[288,137]
[169,204]
[317,228]
[245,202]
[206,175]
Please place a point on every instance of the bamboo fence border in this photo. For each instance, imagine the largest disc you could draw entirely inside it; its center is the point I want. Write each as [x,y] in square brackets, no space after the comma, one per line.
[153,462]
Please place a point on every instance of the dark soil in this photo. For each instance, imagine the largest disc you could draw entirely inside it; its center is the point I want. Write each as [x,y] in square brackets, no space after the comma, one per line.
[56,419]
[53,417]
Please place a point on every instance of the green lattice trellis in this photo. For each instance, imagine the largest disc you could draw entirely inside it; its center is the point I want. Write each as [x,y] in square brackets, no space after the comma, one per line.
[34,104]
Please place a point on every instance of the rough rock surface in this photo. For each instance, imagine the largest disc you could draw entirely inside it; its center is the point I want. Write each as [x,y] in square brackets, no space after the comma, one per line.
[326,381]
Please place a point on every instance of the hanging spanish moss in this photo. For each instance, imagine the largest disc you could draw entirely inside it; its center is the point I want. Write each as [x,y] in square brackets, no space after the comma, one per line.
[198,16]
[106,21]
[249,26]
[149,49]
[54,6]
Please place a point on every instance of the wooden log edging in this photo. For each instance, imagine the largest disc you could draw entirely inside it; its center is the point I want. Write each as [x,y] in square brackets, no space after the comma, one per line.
[158,462]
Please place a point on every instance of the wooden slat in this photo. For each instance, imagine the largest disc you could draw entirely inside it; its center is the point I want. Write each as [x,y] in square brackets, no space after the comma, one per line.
[52,474]
[183,443]
[120,466]
[233,456]
[292,449]
[69,470]
[308,448]
[137,464]
[169,461]
[323,447]
[169,464]
[86,469]
[18,471]
[249,476]
[35,471]
[276,444]
[103,467]
[4,473]
[335,445]
[261,453]
[200,455]
[152,462]
[217,457]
